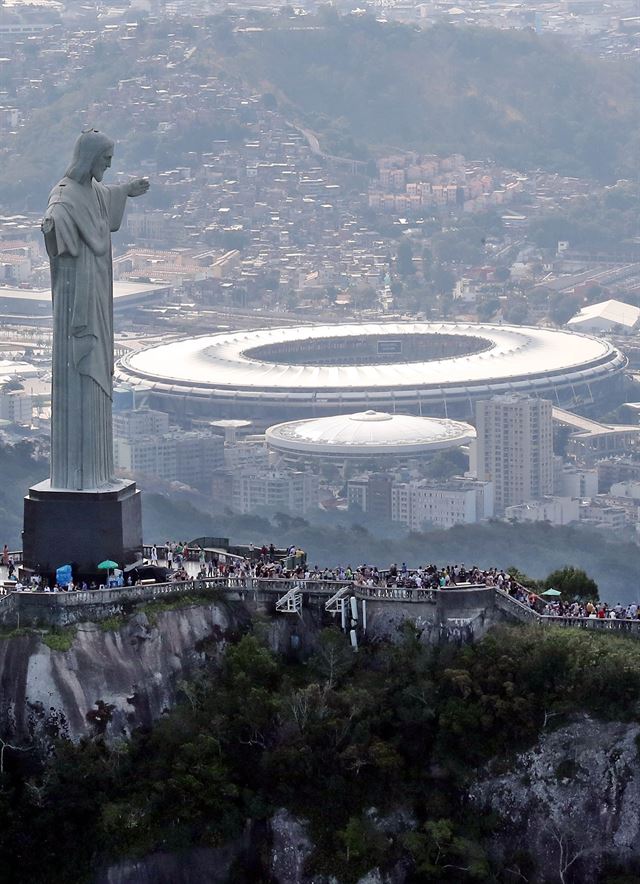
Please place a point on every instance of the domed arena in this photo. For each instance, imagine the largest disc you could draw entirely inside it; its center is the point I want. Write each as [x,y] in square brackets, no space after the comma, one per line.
[367,434]
[441,369]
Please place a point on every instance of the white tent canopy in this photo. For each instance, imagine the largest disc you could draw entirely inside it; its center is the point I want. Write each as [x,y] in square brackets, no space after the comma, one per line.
[605,316]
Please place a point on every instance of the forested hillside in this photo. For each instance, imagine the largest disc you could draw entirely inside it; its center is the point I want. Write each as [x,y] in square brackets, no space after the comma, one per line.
[363,86]
[512,96]
[376,751]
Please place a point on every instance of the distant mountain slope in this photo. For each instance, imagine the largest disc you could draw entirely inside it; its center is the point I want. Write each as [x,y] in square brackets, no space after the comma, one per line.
[523,100]
[360,85]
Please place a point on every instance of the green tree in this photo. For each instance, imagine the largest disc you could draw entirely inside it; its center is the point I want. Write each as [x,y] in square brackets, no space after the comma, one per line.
[441,854]
[522,578]
[487,309]
[573,583]
[446,464]
[562,307]
[363,844]
[517,311]
[594,294]
[427,260]
[502,274]
[404,260]
[334,656]
[234,239]
[443,279]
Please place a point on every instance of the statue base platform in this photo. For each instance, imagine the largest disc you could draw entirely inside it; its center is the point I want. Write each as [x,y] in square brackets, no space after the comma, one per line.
[81,528]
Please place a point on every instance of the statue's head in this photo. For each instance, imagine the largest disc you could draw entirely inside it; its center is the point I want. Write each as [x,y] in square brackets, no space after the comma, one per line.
[92,155]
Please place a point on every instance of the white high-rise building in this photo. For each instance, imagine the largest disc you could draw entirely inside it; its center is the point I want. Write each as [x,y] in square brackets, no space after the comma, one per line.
[514,448]
[245,456]
[556,510]
[577,481]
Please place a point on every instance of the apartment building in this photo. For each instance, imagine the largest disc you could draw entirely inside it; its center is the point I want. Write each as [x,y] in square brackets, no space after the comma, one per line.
[514,448]
[290,492]
[372,494]
[16,406]
[426,503]
[191,457]
[134,423]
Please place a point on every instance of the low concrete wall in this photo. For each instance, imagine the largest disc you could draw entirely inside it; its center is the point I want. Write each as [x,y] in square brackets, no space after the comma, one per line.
[59,609]
[619,627]
[56,609]
[385,621]
[63,609]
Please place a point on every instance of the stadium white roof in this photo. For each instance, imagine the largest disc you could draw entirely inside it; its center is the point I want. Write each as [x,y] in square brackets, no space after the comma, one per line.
[513,358]
[368,433]
[123,291]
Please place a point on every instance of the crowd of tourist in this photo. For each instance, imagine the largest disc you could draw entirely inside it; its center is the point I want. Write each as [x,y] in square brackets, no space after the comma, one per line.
[173,562]
[593,610]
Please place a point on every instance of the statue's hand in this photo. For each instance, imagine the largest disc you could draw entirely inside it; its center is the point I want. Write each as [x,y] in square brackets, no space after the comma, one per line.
[47,225]
[138,186]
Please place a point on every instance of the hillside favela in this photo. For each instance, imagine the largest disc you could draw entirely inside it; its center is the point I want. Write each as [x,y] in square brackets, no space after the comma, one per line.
[319,442]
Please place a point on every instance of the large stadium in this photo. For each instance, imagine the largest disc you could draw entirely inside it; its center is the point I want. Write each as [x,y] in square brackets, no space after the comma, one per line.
[440,369]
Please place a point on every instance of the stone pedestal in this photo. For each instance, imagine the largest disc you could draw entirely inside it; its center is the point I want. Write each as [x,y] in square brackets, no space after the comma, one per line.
[81,528]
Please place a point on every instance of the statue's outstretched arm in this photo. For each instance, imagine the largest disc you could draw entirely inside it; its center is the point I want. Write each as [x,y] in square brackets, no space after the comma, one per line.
[138,186]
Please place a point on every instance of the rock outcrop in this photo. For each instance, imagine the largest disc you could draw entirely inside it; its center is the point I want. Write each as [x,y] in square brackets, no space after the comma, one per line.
[291,846]
[572,802]
[108,681]
[204,865]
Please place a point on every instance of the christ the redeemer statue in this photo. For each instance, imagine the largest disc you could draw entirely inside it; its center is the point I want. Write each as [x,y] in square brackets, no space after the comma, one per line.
[81,215]
[83,515]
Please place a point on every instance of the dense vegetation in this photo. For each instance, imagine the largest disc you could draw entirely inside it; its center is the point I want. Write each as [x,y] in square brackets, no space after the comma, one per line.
[388,728]
[605,220]
[20,468]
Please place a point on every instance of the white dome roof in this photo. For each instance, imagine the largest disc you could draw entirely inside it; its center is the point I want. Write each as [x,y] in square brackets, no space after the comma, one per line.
[369,433]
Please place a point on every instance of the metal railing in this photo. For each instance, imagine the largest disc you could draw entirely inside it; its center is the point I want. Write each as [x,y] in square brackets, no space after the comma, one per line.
[327,589]
[600,624]
[277,586]
[16,555]
[526,614]
[149,591]
[191,551]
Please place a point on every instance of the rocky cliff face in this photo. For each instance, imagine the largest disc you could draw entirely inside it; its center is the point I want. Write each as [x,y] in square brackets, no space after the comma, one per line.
[277,852]
[112,681]
[108,681]
[291,847]
[572,801]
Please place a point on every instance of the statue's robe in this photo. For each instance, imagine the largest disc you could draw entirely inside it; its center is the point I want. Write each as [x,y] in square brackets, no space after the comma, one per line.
[79,248]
